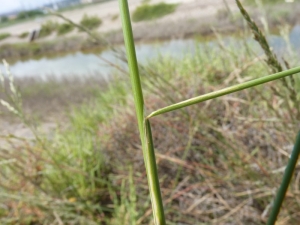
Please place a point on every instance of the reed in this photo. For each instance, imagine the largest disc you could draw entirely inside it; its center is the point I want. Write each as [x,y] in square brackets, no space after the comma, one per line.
[144,125]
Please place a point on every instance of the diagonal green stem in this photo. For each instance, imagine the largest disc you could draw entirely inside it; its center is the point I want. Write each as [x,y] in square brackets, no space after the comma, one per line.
[285,182]
[144,126]
[225,91]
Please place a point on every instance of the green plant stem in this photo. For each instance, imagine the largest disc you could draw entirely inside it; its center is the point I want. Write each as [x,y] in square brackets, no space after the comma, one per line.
[144,126]
[225,91]
[285,182]
[157,204]
[272,61]
[133,66]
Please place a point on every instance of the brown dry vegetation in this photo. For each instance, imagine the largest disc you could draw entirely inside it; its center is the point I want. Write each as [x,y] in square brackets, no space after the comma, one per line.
[219,162]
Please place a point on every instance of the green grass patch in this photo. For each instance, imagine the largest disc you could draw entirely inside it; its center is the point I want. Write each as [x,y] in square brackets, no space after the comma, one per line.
[151,12]
[24,34]
[64,28]
[90,22]
[4,19]
[4,36]
[47,28]
[28,14]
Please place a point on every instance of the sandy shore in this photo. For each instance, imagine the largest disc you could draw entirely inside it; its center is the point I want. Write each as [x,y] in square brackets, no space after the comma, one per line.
[188,10]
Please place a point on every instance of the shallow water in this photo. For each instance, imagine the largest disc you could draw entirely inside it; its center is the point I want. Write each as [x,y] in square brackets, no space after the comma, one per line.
[84,64]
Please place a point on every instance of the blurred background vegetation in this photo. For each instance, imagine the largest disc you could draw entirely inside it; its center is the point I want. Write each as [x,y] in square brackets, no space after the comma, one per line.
[69,145]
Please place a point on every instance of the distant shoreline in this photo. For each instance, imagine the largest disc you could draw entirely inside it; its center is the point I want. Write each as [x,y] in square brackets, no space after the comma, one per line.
[163,29]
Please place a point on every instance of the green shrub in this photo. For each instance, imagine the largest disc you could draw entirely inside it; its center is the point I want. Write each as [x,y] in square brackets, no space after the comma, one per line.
[28,14]
[4,19]
[150,12]
[47,28]
[4,35]
[24,35]
[90,22]
[64,28]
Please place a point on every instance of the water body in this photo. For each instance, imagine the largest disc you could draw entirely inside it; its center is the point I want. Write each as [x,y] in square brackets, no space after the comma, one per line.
[85,64]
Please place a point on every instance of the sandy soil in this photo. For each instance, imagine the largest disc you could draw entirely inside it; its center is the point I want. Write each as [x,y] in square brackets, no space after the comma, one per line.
[187,10]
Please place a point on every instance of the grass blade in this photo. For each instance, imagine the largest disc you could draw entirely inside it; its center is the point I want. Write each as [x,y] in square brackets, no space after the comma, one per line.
[157,205]
[285,182]
[225,91]
[144,126]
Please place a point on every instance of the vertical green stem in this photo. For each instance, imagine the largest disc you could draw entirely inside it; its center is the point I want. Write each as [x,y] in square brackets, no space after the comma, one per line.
[156,199]
[285,182]
[144,126]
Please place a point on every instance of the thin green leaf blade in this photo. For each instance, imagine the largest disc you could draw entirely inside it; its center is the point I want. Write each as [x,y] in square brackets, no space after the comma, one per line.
[225,91]
[144,126]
